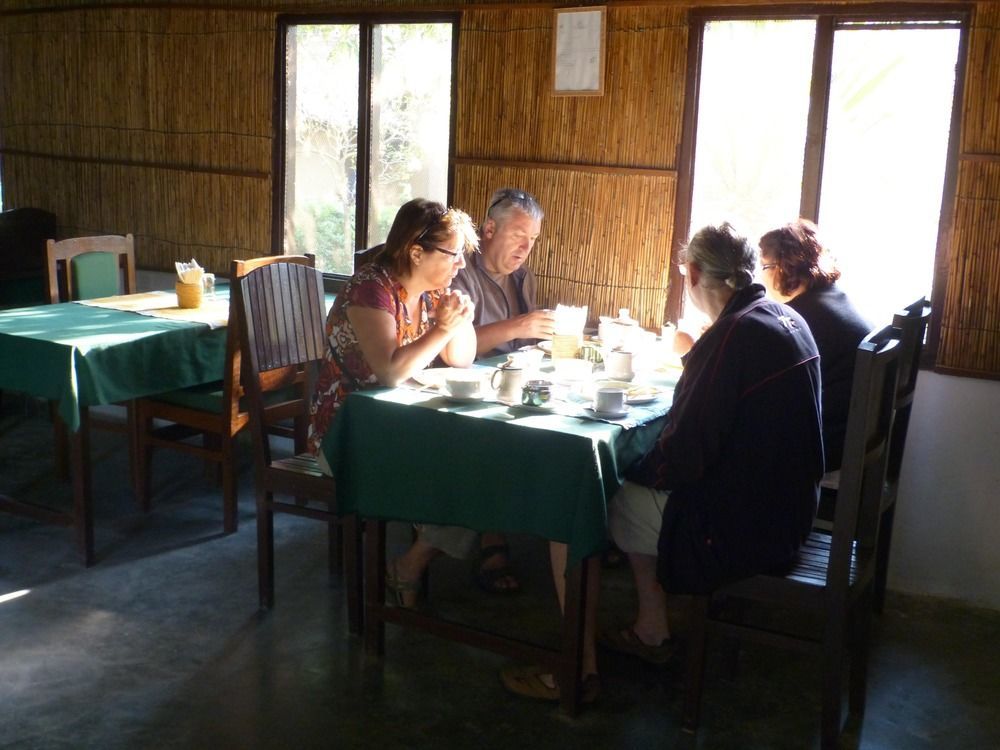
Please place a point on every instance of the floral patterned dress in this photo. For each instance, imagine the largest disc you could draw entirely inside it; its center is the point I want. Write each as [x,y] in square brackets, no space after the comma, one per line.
[344,367]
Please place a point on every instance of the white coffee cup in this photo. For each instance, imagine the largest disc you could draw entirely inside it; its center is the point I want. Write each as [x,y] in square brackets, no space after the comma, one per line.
[464,385]
[618,364]
[609,400]
[511,380]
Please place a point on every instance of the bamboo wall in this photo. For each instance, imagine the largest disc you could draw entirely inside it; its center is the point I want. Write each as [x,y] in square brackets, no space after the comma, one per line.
[148,122]
[157,121]
[970,323]
[605,242]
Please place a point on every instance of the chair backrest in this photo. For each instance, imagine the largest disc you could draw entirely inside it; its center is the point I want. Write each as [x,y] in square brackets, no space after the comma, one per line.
[866,449]
[911,322]
[88,267]
[367,255]
[232,389]
[282,333]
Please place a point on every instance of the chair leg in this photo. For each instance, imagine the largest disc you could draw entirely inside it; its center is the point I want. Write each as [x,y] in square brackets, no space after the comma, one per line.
[882,557]
[351,528]
[230,511]
[833,666]
[265,549]
[695,678]
[337,548]
[142,476]
[859,654]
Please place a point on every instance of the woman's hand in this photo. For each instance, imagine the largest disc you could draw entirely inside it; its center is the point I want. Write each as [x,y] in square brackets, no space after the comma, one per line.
[453,310]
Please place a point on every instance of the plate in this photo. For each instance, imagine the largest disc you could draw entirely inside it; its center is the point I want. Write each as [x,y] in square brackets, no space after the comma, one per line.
[607,414]
[642,394]
[433,376]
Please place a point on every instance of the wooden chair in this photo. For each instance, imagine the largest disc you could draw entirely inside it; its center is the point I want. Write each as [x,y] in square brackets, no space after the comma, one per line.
[911,322]
[88,267]
[215,412]
[85,268]
[832,580]
[283,337]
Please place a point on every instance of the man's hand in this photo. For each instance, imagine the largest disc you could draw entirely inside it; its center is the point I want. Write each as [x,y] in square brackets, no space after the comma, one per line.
[539,324]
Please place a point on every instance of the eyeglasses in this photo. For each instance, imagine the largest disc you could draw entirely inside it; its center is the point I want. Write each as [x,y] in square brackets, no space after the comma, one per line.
[455,254]
[514,196]
[430,226]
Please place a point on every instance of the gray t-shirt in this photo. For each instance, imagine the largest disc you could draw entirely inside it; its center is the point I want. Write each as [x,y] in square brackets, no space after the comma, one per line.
[497,297]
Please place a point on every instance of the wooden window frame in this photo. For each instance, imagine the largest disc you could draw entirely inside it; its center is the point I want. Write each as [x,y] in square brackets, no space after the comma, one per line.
[365,22]
[828,20]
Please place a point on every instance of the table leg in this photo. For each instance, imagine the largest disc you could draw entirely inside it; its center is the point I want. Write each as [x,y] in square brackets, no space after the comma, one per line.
[374,586]
[83,505]
[574,633]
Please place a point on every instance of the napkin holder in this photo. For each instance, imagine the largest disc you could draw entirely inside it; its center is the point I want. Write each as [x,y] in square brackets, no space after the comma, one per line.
[189,296]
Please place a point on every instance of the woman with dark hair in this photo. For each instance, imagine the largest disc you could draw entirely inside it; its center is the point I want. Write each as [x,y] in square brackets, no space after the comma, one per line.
[800,272]
[395,317]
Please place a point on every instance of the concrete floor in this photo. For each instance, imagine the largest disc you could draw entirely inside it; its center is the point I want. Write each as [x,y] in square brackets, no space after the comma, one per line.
[161,645]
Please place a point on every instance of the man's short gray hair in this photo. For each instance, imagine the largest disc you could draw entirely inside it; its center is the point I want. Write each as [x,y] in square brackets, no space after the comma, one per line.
[506,200]
[723,254]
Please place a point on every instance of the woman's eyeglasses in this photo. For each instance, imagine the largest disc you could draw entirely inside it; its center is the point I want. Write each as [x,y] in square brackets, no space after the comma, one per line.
[455,254]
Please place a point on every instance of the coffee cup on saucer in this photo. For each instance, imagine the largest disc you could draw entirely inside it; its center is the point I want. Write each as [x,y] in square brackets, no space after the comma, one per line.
[609,400]
[465,385]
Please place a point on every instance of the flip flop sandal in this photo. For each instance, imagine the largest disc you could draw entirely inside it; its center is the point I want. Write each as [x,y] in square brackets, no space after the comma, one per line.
[526,681]
[400,588]
[489,579]
[628,642]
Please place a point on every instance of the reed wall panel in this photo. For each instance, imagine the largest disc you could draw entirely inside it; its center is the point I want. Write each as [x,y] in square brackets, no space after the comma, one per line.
[93,100]
[970,324]
[605,238]
[981,115]
[506,109]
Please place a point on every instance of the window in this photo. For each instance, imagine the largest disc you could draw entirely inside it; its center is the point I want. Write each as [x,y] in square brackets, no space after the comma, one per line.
[364,125]
[843,119]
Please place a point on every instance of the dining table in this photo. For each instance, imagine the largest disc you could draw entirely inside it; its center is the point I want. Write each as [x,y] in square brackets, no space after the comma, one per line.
[415,454]
[78,355]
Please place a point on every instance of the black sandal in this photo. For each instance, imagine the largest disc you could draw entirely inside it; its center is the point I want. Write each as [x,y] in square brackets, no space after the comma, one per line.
[489,579]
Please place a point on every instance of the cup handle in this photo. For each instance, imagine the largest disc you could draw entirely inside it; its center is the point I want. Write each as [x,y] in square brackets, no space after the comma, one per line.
[493,378]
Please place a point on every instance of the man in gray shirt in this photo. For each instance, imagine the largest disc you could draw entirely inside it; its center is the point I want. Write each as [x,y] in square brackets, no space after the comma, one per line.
[503,291]
[496,279]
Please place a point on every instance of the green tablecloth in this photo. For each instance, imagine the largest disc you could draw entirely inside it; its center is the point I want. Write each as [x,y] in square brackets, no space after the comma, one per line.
[402,455]
[80,356]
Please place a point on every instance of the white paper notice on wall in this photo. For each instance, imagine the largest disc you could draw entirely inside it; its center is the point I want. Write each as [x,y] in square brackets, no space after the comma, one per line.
[578,57]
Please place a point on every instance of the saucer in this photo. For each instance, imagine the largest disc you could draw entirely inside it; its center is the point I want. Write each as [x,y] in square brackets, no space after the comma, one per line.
[464,399]
[625,377]
[607,414]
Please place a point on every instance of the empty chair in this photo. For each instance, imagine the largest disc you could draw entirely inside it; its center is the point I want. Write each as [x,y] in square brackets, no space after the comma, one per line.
[911,322]
[85,268]
[89,267]
[214,412]
[832,580]
[282,326]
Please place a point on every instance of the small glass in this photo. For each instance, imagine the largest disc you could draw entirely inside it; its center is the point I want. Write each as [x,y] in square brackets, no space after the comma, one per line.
[208,285]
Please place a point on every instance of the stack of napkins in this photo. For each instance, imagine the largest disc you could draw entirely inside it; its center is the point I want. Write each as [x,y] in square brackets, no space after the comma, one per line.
[570,320]
[189,273]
